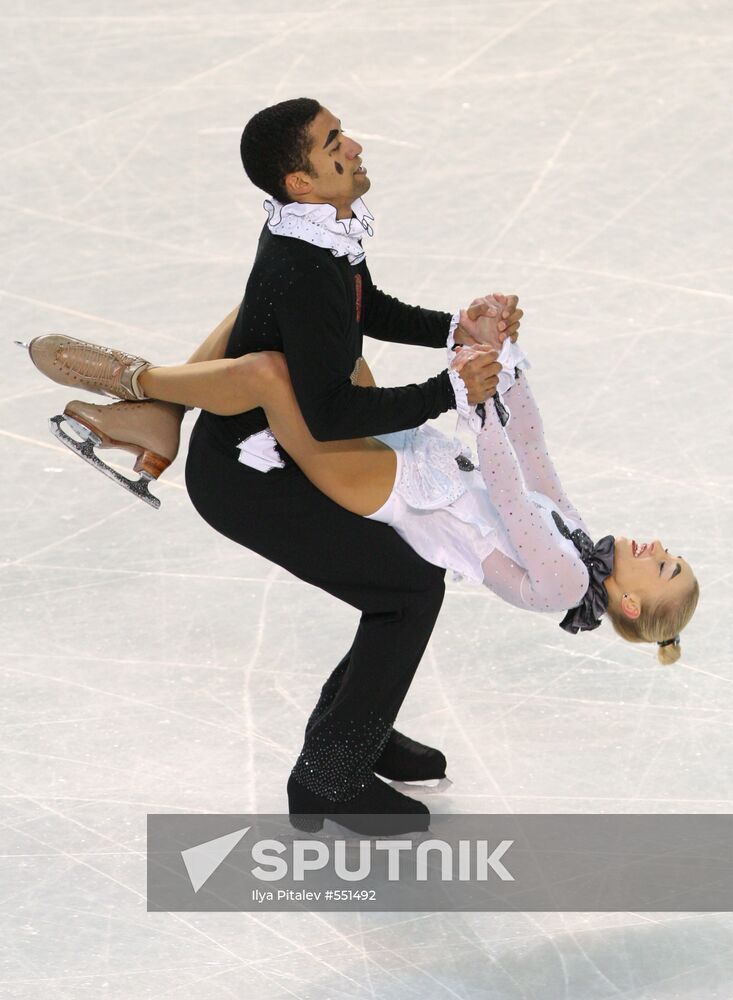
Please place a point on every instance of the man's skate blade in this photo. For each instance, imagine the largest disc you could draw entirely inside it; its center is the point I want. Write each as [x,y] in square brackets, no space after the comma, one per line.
[431,786]
[85,449]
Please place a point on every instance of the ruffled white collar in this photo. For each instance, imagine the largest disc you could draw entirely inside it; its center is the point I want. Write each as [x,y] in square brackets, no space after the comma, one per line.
[317,224]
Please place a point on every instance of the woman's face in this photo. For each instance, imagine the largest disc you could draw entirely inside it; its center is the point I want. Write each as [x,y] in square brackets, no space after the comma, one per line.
[647,572]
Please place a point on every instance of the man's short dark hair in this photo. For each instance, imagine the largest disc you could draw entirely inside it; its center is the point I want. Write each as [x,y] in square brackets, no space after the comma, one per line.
[276,142]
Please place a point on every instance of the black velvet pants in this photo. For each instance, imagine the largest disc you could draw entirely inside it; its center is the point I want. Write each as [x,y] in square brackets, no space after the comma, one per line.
[280,515]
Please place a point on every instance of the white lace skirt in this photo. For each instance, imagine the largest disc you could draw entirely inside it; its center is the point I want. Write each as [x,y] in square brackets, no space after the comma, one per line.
[442,512]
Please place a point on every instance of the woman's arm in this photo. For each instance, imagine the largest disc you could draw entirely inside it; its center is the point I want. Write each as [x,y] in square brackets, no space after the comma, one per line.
[546,578]
[526,433]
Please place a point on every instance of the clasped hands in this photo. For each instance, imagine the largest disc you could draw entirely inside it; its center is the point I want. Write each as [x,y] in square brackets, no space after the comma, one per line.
[484,326]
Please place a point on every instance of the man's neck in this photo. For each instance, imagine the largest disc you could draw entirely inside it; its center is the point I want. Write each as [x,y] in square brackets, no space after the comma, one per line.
[341,213]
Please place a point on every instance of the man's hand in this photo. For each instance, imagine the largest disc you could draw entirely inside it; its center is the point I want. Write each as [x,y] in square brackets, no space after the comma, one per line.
[504,318]
[479,370]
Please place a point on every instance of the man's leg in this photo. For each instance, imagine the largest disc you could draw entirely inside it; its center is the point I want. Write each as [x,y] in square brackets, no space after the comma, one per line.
[365,563]
[329,691]
[343,744]
[401,758]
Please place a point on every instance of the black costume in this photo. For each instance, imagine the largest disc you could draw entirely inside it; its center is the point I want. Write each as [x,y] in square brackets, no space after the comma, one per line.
[315,307]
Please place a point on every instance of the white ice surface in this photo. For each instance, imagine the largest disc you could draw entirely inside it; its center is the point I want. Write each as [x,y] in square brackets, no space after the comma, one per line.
[578,153]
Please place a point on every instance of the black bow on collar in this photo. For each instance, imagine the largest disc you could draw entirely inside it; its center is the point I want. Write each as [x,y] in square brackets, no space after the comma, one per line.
[598,560]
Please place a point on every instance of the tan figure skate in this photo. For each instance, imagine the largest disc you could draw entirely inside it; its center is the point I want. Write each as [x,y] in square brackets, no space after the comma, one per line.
[82,365]
[150,430]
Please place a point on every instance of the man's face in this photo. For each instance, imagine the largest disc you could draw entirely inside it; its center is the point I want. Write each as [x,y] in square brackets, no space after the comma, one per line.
[338,178]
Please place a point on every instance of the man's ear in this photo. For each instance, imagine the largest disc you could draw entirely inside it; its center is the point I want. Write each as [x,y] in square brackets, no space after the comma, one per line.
[297,184]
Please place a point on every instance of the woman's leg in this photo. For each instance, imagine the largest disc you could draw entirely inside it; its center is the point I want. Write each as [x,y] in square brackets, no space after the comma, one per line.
[215,345]
[224,387]
[207,377]
[357,474]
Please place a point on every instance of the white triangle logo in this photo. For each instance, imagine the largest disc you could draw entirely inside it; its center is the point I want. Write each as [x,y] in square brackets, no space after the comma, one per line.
[202,860]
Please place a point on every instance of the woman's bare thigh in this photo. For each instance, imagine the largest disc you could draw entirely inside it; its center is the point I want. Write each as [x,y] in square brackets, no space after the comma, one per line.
[357,474]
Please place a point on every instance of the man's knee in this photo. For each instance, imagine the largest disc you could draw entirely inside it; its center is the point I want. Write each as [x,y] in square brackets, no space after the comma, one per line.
[428,600]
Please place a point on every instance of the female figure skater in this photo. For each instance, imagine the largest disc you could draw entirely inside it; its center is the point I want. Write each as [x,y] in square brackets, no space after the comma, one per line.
[507,524]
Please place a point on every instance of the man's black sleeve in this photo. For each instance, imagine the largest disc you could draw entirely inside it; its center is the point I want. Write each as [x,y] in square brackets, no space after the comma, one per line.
[313,318]
[386,318]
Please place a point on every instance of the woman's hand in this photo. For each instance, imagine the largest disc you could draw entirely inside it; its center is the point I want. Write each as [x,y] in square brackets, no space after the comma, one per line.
[510,316]
[503,316]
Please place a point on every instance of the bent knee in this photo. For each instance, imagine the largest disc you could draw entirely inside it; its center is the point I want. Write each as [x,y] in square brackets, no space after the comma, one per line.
[266,366]
[430,598]
[272,366]
[257,377]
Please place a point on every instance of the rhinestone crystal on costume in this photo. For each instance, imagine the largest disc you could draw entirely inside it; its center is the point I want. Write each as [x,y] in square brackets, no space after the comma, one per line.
[337,762]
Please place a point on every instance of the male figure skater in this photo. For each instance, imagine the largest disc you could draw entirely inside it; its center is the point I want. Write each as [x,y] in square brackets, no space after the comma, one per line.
[310,295]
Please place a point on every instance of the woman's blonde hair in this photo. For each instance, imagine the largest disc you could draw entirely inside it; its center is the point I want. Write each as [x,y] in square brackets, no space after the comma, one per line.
[655,624]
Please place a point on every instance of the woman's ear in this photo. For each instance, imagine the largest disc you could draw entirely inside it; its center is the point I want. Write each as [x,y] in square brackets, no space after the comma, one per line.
[630,605]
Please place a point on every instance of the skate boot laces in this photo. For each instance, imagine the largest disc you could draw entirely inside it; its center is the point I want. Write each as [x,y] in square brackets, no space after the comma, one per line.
[111,370]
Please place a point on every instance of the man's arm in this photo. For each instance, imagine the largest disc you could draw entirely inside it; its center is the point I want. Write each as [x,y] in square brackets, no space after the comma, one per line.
[386,318]
[313,317]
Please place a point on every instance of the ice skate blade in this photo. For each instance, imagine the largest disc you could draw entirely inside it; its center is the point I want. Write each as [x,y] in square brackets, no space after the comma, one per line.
[432,786]
[85,449]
